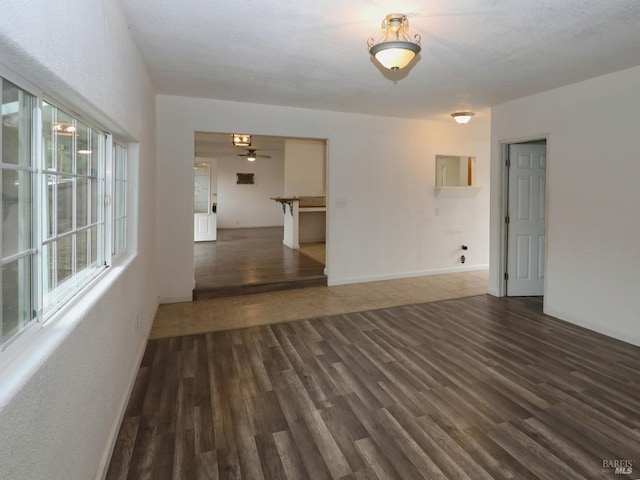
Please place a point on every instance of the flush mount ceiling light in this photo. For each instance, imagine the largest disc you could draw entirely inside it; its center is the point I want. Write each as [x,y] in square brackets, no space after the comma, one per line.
[462,117]
[395,49]
[241,139]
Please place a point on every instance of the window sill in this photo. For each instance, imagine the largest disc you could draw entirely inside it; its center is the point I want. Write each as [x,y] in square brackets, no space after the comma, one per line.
[23,358]
[457,192]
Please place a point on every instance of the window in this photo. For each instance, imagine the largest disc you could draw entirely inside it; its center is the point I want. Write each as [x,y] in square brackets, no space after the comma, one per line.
[56,229]
[17,177]
[119,195]
[73,217]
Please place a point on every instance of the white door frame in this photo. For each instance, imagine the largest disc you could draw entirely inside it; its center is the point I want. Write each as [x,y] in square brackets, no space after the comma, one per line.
[504,204]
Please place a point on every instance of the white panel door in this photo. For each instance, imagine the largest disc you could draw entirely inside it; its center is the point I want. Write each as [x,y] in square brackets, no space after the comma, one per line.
[204,219]
[526,212]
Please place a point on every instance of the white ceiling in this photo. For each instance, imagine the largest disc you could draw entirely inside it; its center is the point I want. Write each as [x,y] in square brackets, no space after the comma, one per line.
[313,53]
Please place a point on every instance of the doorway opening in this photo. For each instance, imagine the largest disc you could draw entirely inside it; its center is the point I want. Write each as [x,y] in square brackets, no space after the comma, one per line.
[249,254]
[525,217]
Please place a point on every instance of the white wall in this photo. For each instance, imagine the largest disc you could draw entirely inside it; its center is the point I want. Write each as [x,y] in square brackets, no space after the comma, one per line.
[593,253]
[305,167]
[242,206]
[384,168]
[62,395]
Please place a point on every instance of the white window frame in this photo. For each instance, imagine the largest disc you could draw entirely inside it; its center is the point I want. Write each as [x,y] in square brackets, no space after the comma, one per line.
[113,180]
[39,175]
[35,177]
[56,298]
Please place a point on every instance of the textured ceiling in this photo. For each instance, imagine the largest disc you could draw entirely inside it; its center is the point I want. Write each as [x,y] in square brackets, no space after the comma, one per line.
[313,54]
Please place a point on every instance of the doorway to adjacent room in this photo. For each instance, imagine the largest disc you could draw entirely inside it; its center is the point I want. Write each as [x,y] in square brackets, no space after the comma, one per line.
[525,218]
[248,255]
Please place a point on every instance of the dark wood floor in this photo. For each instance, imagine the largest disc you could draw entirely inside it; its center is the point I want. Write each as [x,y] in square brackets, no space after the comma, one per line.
[251,260]
[474,388]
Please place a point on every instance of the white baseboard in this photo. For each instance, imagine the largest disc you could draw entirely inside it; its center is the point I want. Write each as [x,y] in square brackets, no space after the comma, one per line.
[618,335]
[292,246]
[115,428]
[394,276]
[185,298]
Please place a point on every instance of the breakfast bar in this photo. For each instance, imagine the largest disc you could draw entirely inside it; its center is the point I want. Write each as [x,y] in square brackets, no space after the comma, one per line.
[304,219]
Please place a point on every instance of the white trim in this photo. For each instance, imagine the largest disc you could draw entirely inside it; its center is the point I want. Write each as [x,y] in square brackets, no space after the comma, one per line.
[180,299]
[423,273]
[108,194]
[112,189]
[67,294]
[31,124]
[504,207]
[103,466]
[37,210]
[565,317]
[19,81]
[503,194]
[2,226]
[62,292]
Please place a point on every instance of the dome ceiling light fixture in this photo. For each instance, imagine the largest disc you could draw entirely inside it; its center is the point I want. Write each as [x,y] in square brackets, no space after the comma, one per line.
[462,117]
[395,49]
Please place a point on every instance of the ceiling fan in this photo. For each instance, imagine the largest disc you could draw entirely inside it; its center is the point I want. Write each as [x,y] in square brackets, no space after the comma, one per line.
[251,155]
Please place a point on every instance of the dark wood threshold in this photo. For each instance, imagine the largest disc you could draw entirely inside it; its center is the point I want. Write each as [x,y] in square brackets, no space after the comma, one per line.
[251,288]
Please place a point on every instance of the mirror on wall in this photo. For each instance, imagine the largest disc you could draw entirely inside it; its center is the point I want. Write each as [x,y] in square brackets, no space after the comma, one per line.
[455,171]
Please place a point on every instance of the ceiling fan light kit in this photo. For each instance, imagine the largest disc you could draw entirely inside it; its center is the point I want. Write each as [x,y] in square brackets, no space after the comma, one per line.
[395,49]
[251,155]
[462,117]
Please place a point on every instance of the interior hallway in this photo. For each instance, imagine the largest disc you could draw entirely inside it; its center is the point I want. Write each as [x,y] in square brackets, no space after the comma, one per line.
[216,314]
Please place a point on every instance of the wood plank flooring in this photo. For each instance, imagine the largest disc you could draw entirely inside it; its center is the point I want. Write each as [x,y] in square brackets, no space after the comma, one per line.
[315,250]
[252,260]
[473,388]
